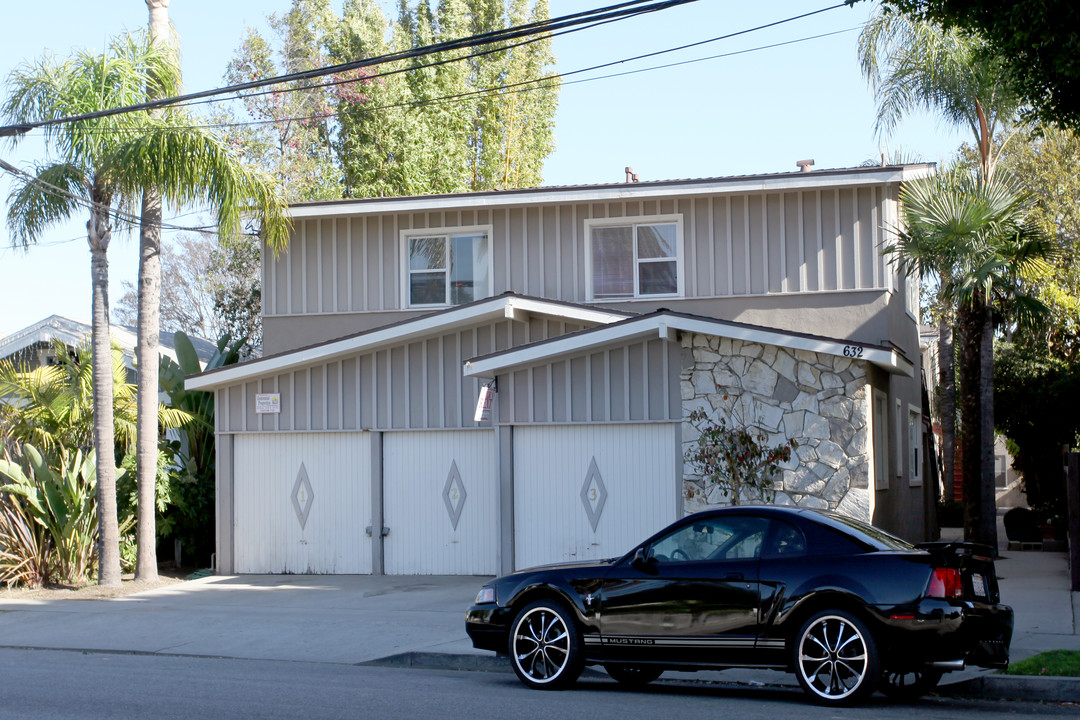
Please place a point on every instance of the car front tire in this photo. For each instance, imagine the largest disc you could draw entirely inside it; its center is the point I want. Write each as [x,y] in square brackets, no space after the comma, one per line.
[545,646]
[836,658]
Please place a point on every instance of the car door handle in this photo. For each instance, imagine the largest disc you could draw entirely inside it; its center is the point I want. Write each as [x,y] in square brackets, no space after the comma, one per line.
[734,576]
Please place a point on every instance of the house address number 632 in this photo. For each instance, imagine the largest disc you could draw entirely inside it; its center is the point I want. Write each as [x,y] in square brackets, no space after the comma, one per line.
[853,351]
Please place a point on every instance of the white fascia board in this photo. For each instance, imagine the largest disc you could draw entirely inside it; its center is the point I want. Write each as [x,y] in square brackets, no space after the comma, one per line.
[661,326]
[633,191]
[421,327]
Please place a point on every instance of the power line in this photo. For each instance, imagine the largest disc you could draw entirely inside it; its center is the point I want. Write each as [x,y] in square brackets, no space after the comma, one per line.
[631,8]
[525,85]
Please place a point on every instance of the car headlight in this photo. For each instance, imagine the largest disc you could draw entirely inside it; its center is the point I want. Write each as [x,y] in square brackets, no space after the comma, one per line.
[486,595]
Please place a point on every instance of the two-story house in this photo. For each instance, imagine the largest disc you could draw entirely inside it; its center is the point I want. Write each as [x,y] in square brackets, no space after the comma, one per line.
[598,317]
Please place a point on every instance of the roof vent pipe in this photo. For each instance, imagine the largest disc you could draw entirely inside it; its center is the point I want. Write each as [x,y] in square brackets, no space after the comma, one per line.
[631,176]
[805,165]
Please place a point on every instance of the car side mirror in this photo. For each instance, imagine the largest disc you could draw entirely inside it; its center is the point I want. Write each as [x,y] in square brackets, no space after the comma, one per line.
[643,562]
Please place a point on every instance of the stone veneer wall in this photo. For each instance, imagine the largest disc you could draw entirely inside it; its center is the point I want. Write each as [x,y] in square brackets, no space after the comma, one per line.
[817,399]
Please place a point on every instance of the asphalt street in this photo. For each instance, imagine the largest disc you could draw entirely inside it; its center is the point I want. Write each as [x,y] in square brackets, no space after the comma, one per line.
[56,684]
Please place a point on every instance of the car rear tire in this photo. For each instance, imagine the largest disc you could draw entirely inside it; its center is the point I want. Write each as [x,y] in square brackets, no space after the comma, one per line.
[633,675]
[836,658]
[545,646]
[910,685]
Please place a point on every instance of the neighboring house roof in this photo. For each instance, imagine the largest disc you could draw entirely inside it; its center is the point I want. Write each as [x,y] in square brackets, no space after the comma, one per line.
[774,182]
[664,324]
[509,305]
[74,332]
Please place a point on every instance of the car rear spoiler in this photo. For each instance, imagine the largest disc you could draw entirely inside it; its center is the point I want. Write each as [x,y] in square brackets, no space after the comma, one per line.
[957,549]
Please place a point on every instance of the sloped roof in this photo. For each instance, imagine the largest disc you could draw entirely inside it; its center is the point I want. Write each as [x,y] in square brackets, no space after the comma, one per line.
[510,305]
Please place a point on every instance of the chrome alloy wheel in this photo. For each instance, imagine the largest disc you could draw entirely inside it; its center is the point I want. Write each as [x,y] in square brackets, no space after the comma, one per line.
[544,646]
[836,658]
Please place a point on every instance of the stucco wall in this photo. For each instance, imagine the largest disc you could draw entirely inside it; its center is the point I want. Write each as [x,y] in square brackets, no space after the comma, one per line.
[817,399]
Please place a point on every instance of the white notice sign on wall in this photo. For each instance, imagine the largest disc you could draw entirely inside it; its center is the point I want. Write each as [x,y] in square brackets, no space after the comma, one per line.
[267,403]
[483,404]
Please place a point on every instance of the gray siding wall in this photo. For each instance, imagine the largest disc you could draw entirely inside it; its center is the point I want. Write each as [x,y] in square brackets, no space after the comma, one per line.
[417,385]
[634,382]
[734,245]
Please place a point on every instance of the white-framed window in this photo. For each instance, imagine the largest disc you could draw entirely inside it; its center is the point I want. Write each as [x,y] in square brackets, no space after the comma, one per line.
[914,446]
[449,266]
[898,424]
[639,257]
[880,419]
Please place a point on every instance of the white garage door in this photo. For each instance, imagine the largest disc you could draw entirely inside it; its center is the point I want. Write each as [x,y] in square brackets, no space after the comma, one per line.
[439,503]
[302,502]
[583,492]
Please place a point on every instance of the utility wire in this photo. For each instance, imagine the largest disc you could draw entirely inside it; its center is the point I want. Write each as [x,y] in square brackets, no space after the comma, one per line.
[631,8]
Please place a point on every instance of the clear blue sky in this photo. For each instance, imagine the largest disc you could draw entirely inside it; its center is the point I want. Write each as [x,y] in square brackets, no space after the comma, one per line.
[756,112]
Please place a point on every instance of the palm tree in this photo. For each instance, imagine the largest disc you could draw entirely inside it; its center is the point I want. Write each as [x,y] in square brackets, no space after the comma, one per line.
[118,158]
[975,238]
[916,65]
[83,178]
[185,165]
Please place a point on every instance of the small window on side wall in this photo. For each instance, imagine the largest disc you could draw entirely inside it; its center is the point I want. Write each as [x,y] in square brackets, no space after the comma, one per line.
[447,268]
[634,259]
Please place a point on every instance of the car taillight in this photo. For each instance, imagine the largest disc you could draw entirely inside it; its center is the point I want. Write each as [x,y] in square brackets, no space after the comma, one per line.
[945,583]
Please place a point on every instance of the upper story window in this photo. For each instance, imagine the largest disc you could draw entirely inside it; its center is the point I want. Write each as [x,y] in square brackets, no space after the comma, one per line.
[447,268]
[634,258]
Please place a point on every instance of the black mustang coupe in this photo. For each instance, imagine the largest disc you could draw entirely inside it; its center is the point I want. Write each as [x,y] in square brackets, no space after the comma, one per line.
[845,606]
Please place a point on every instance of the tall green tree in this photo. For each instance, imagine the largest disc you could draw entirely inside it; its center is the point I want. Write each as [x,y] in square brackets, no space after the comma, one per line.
[975,238]
[913,65]
[84,176]
[1035,41]
[409,127]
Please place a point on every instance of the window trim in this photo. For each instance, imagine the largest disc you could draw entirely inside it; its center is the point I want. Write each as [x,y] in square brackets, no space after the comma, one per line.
[915,441]
[634,221]
[404,236]
[880,436]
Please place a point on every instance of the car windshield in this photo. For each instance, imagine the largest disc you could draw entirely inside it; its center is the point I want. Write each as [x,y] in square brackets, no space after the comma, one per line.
[869,534]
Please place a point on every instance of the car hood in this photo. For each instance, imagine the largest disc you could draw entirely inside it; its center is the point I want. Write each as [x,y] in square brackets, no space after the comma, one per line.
[573,565]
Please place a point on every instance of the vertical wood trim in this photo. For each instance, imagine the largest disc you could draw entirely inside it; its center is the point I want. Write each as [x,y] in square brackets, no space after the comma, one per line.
[336,260]
[820,244]
[348,265]
[664,366]
[319,262]
[244,406]
[310,404]
[508,278]
[359,394]
[326,395]
[365,248]
[765,241]
[341,393]
[691,276]
[838,241]
[783,245]
[405,384]
[730,249]
[269,284]
[645,371]
[579,284]
[588,389]
[558,252]
[746,241]
[382,264]
[607,386]
[803,279]
[389,389]
[856,231]
[425,385]
[626,382]
[712,255]
[877,239]
[543,265]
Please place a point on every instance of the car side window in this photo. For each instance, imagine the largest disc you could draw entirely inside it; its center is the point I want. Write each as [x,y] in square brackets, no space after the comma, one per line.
[785,540]
[726,538]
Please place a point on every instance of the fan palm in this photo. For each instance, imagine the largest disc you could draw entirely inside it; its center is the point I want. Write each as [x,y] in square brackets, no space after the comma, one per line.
[915,65]
[975,239]
[110,162]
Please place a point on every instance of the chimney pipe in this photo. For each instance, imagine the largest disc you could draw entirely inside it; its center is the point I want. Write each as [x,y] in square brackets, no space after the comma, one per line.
[631,176]
[805,165]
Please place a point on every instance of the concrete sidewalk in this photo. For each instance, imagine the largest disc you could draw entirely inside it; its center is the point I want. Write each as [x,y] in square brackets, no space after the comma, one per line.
[420,621]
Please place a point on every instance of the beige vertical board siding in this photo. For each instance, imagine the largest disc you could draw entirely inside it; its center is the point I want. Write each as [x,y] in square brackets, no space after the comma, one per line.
[268,536]
[422,539]
[636,464]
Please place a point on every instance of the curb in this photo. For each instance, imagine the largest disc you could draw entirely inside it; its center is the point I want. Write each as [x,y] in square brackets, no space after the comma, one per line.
[1017,687]
[985,687]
